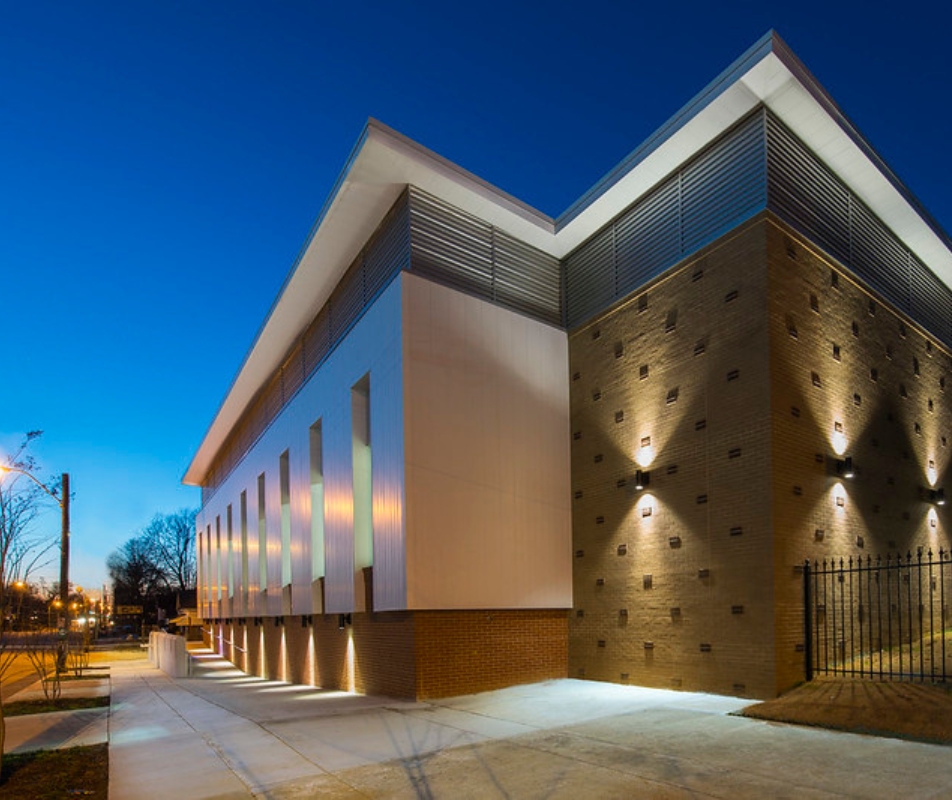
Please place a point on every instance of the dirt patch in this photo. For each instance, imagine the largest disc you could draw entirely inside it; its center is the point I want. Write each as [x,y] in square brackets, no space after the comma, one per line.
[922,712]
[51,774]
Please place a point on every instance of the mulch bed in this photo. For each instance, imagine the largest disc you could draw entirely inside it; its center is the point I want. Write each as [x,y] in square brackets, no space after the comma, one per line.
[920,712]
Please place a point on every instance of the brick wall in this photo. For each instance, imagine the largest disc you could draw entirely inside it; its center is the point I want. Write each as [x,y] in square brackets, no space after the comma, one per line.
[828,335]
[463,652]
[672,584]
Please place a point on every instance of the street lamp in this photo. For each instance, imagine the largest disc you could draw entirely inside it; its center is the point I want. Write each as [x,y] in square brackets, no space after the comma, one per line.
[63,503]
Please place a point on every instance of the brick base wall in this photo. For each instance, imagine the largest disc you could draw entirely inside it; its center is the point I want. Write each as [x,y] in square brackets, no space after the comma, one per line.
[463,652]
[415,655]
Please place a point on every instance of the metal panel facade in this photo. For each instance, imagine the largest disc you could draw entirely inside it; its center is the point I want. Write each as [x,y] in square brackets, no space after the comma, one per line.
[373,346]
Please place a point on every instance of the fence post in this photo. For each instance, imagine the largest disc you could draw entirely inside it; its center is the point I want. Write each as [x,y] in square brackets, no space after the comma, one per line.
[807,621]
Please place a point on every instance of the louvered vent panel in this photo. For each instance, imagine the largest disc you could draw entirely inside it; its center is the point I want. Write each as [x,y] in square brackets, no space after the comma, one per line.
[725,185]
[647,238]
[317,341]
[347,302]
[450,246]
[804,193]
[590,277]
[389,251]
[931,300]
[878,257]
[526,279]
[292,373]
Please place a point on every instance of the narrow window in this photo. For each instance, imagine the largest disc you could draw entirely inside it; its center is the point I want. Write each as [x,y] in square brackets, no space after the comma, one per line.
[200,566]
[836,352]
[362,463]
[814,303]
[915,367]
[230,572]
[210,574]
[284,477]
[834,279]
[219,567]
[262,537]
[643,372]
[317,500]
[243,524]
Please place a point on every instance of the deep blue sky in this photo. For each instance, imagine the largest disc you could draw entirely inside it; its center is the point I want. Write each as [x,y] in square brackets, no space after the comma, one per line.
[161,163]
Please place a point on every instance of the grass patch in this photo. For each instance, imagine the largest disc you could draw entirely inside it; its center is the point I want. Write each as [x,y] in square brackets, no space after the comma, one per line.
[20,707]
[50,774]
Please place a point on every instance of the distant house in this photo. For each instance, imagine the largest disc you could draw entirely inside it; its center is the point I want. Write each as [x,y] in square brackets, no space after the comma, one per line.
[474,446]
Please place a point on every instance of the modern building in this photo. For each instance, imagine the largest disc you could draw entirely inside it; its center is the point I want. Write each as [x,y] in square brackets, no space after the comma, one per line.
[473,445]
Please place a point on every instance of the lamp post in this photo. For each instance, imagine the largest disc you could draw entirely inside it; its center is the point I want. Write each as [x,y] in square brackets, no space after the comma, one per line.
[63,502]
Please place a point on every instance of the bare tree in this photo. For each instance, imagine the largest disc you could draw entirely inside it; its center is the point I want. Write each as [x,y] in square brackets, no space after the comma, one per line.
[136,577]
[22,548]
[172,538]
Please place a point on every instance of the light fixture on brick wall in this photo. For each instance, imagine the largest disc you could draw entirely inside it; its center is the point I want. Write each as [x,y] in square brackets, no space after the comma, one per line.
[343,620]
[844,467]
[642,478]
[937,497]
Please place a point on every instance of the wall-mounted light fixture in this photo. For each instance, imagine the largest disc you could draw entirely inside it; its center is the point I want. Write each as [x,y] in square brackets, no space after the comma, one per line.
[306,620]
[844,467]
[343,620]
[937,497]
[642,478]
[278,622]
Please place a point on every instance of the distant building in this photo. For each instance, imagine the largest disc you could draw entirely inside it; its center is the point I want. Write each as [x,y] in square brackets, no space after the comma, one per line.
[474,446]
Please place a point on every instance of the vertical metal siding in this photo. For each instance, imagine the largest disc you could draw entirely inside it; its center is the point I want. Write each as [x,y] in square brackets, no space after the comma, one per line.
[373,345]
[386,253]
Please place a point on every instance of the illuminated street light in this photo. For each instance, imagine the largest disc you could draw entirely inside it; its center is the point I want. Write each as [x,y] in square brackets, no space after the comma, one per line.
[63,503]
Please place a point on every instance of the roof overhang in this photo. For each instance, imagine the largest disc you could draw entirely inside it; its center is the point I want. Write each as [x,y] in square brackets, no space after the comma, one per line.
[384,162]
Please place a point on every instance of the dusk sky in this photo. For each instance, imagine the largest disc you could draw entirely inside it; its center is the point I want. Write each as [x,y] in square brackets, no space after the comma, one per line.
[162,164]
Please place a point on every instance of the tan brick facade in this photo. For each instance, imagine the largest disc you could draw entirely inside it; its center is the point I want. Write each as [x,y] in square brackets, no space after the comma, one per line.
[719,379]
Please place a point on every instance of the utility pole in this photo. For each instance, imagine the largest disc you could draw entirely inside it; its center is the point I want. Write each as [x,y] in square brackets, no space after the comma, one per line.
[63,622]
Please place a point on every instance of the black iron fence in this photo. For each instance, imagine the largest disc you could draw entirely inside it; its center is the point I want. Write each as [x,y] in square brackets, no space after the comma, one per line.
[879,618]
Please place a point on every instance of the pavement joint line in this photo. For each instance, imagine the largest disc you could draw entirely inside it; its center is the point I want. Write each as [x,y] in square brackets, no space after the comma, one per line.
[206,738]
[256,790]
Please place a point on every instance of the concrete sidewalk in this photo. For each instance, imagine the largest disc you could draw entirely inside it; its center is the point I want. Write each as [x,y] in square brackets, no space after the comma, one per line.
[223,734]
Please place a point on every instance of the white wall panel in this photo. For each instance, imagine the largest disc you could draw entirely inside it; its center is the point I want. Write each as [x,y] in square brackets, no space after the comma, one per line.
[486,395]
[374,346]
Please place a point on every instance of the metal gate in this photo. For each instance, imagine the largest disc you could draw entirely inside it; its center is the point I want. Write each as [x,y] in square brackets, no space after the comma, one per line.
[879,618]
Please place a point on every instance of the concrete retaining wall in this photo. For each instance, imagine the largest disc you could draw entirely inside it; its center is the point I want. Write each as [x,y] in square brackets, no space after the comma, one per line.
[169,654]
